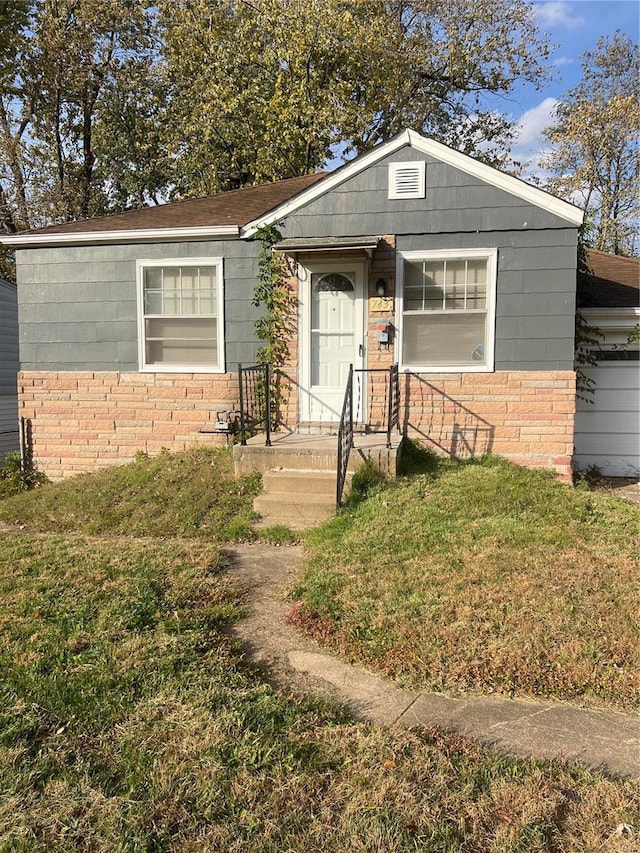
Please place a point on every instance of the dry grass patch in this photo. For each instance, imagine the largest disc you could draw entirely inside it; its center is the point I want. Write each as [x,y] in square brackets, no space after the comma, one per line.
[483,578]
[128,722]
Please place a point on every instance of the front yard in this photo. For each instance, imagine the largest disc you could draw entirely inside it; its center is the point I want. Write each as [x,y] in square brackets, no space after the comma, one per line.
[129,721]
[483,577]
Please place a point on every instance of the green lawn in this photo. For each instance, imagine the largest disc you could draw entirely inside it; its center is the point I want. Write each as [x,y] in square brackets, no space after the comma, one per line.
[186,494]
[128,722]
[482,577]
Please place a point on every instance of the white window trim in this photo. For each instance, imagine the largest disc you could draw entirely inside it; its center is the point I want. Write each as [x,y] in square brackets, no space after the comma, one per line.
[491,255]
[141,265]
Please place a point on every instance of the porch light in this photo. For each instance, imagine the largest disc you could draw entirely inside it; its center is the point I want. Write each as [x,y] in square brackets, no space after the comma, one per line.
[381,287]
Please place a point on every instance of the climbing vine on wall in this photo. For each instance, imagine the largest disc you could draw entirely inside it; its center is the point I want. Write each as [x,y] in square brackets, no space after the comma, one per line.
[587,337]
[277,325]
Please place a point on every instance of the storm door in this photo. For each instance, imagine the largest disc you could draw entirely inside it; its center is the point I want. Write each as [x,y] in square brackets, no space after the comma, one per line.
[332,337]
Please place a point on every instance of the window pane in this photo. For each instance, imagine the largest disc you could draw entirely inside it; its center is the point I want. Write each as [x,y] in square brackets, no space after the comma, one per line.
[177,291]
[449,339]
[413,274]
[181,341]
[153,290]
[434,298]
[189,290]
[182,353]
[413,298]
[455,284]
[171,299]
[208,291]
[476,284]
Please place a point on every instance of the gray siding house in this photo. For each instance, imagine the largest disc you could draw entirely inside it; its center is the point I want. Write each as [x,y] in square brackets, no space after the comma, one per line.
[8,368]
[131,326]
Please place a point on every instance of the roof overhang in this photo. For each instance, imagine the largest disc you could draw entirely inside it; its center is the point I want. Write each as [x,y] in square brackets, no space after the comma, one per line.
[612,319]
[510,184]
[133,235]
[302,245]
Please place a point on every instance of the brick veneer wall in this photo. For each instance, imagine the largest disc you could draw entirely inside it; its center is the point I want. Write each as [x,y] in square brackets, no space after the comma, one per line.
[526,416]
[81,421]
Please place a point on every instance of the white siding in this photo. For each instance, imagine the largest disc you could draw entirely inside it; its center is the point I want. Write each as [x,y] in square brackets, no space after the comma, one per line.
[607,432]
[607,429]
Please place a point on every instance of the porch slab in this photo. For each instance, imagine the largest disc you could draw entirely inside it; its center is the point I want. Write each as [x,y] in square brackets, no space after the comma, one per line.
[297,451]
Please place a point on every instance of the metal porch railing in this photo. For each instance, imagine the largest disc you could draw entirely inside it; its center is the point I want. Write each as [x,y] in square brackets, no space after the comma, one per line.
[390,412]
[255,401]
[345,437]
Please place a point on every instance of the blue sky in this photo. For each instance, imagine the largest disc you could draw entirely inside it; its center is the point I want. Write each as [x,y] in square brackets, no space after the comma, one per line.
[574,26]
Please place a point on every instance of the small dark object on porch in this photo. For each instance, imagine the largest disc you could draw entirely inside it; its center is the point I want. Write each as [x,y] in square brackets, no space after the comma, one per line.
[227,423]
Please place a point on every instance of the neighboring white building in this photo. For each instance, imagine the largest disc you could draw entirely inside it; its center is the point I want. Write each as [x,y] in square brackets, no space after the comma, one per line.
[607,428]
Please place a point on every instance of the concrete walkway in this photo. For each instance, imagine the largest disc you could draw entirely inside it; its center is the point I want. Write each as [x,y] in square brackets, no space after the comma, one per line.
[602,740]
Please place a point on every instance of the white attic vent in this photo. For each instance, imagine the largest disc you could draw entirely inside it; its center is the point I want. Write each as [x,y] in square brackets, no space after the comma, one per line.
[407,180]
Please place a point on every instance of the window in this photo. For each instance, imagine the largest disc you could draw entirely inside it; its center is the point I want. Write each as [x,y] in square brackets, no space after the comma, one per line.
[447,309]
[407,180]
[180,307]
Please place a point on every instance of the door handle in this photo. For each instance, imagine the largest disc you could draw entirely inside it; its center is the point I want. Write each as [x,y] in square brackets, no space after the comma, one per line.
[360,350]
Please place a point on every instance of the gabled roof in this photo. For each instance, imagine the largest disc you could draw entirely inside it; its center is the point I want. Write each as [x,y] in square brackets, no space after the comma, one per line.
[516,187]
[240,213]
[612,281]
[222,215]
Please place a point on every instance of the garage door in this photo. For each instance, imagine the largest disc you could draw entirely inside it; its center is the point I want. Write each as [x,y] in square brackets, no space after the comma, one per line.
[607,431]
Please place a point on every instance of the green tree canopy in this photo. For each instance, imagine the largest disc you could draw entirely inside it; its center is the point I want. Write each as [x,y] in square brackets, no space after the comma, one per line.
[64,64]
[265,89]
[111,104]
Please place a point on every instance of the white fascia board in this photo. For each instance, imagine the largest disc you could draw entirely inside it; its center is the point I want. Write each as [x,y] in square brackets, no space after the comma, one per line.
[610,319]
[140,235]
[514,186]
[500,180]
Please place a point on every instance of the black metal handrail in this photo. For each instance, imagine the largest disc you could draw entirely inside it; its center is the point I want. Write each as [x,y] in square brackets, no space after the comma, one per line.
[255,400]
[393,415]
[392,397]
[345,436]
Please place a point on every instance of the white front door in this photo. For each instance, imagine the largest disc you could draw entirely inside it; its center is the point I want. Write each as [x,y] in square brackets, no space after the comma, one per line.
[332,315]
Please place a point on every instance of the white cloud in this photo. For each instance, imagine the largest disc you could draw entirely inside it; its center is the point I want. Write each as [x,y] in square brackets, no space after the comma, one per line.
[534,121]
[563,60]
[529,147]
[558,13]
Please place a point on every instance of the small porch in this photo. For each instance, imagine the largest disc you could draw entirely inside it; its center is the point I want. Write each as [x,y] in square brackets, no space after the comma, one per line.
[306,470]
[300,472]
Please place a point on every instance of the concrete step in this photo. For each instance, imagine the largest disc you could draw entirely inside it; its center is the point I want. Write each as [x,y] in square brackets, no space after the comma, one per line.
[262,459]
[313,457]
[296,498]
[300,472]
[300,482]
[297,512]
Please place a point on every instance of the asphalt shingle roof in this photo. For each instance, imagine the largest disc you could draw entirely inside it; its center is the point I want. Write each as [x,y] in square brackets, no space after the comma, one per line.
[236,207]
[612,281]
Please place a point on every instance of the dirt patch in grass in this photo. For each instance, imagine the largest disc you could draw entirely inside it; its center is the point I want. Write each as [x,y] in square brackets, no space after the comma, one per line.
[129,722]
[486,578]
[187,494]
